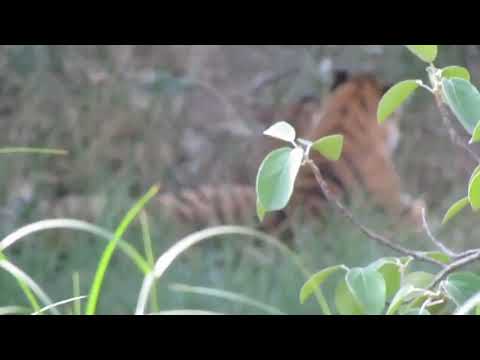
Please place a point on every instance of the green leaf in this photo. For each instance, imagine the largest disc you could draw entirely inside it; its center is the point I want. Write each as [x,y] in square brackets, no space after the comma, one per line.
[317,280]
[455,210]
[471,304]
[394,98]
[464,100]
[439,256]
[476,135]
[282,131]
[330,147]
[393,277]
[407,291]
[111,247]
[415,312]
[474,192]
[419,279]
[389,268]
[369,289]
[276,178]
[427,53]
[475,173]
[261,212]
[456,72]
[345,302]
[461,287]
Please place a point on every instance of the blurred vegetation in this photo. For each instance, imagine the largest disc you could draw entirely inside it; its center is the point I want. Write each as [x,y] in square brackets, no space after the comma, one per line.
[181,115]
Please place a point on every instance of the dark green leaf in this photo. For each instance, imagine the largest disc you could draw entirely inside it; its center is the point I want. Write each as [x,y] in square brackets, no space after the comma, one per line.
[464,100]
[461,287]
[455,210]
[369,289]
[427,53]
[456,72]
[330,147]
[276,178]
[317,280]
[394,98]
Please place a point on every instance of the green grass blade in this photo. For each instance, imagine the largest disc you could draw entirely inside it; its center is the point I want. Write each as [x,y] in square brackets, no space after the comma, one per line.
[57,304]
[186,313]
[227,295]
[24,278]
[14,310]
[26,290]
[77,306]
[77,225]
[164,262]
[110,249]
[147,243]
[30,295]
[37,151]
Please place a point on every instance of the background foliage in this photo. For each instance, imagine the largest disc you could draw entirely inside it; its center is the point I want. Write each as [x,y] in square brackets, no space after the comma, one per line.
[180,115]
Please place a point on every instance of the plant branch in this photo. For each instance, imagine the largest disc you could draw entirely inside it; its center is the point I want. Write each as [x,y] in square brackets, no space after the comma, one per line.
[435,241]
[370,233]
[457,265]
[454,137]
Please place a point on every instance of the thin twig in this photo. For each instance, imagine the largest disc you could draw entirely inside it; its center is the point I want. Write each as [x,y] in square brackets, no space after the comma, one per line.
[435,241]
[370,233]
[460,264]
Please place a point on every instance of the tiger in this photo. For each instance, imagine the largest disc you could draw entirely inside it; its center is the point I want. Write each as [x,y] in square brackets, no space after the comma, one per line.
[366,165]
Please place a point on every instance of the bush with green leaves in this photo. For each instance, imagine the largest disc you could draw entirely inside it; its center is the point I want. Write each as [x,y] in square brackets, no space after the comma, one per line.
[389,286]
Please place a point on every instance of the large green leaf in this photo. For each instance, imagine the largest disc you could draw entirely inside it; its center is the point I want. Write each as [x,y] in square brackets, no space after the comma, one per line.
[469,306]
[317,280]
[394,98]
[455,209]
[456,72]
[282,131]
[330,147]
[345,302]
[389,268]
[462,286]
[419,279]
[427,53]
[464,100]
[276,178]
[369,289]
[474,192]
